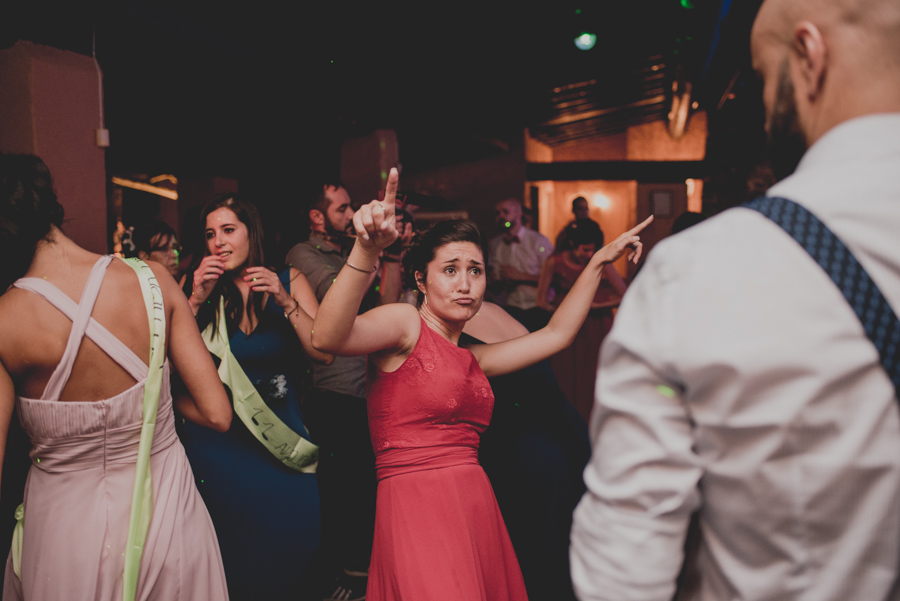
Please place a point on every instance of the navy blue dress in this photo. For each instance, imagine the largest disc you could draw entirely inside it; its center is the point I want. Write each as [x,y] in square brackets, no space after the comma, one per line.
[266,515]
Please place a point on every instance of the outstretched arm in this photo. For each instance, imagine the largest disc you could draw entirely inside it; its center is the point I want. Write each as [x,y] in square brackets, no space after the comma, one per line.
[337,327]
[513,355]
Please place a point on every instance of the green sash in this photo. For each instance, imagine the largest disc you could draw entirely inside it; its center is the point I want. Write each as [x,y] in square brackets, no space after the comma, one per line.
[18,533]
[286,445]
[142,495]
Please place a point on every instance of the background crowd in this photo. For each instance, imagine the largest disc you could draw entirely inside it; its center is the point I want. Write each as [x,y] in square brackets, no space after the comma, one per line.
[389,408]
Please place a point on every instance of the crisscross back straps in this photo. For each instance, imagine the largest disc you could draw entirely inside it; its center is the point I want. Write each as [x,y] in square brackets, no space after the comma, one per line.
[103,338]
[85,307]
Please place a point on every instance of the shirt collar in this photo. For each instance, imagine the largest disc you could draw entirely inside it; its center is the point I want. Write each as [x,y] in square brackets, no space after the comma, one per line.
[322,243]
[859,140]
[515,232]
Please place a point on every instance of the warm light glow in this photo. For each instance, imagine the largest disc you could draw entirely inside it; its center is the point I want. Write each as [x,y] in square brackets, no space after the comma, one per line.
[585,41]
[600,201]
[689,182]
[127,183]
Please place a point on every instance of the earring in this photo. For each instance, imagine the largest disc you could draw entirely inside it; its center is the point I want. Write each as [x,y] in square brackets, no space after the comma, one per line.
[425,298]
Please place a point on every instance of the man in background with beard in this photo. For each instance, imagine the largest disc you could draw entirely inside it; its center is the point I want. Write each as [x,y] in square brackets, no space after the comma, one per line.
[335,408]
[737,385]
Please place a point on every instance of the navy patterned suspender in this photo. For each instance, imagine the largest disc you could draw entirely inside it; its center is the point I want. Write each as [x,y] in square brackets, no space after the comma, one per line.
[877,318]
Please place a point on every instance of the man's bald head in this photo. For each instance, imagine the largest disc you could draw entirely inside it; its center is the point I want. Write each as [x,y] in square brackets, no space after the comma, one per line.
[840,59]
[508,213]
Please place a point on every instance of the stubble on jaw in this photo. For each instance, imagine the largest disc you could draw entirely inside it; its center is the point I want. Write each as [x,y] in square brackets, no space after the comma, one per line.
[786,140]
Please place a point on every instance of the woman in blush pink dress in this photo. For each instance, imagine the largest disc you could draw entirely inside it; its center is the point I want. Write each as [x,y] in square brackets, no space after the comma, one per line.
[74,348]
[438,532]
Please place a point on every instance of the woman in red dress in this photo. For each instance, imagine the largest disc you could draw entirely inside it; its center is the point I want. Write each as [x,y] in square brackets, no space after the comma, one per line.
[438,532]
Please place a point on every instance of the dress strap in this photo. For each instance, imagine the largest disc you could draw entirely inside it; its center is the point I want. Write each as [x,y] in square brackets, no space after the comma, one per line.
[79,324]
[108,343]
[85,307]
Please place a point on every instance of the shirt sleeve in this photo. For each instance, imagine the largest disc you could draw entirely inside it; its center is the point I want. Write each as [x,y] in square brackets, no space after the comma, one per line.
[319,271]
[629,528]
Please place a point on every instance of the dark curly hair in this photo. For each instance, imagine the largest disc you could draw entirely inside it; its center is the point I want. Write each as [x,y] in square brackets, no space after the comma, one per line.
[585,231]
[144,233]
[28,211]
[426,243]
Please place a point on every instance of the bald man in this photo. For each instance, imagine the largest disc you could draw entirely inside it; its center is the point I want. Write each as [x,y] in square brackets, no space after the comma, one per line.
[737,384]
[515,259]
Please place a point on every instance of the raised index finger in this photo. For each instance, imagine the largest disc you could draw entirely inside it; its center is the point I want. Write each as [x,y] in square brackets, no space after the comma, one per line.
[640,226]
[390,192]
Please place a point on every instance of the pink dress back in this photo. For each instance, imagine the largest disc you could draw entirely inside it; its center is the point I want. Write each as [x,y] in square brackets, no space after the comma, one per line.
[79,488]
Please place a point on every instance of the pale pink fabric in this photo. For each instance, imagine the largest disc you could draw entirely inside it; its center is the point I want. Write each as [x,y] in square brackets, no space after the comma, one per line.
[78,493]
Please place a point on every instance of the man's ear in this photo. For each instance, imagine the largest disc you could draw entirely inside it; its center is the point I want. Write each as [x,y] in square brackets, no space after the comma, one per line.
[316,217]
[143,256]
[811,60]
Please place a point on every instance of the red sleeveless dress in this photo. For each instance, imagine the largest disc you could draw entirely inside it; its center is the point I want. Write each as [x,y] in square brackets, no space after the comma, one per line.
[439,534]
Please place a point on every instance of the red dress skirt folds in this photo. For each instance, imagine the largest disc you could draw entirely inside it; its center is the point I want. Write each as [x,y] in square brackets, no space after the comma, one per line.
[439,534]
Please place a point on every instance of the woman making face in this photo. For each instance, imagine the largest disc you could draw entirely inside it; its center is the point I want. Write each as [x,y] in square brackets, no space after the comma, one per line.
[453,283]
[428,402]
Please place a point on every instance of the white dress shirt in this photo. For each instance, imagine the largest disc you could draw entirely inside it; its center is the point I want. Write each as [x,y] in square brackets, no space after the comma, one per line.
[527,255]
[739,383]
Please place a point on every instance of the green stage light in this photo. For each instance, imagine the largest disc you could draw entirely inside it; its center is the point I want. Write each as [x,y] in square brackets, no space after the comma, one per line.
[585,41]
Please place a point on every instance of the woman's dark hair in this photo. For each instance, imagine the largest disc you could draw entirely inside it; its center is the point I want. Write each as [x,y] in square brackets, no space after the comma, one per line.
[28,211]
[143,235]
[584,231]
[426,243]
[234,305]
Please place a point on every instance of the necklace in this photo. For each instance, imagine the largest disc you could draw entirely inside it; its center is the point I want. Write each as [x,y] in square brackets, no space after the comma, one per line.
[437,326]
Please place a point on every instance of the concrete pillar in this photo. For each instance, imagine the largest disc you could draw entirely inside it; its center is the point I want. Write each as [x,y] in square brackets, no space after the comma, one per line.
[50,106]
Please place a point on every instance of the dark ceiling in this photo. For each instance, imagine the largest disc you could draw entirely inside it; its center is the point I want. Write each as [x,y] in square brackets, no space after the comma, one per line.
[271,89]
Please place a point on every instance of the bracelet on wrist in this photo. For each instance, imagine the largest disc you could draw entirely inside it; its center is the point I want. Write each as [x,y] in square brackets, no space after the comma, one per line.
[287,314]
[348,264]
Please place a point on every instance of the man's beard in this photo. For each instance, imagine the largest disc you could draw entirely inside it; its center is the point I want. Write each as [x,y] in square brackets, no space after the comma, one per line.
[333,232]
[787,144]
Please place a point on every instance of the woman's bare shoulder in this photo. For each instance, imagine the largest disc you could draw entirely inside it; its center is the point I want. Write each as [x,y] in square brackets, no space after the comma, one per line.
[12,303]
[400,313]
[409,326]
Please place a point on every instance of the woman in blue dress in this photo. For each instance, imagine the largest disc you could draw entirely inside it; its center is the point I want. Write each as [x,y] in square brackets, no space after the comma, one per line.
[257,479]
